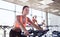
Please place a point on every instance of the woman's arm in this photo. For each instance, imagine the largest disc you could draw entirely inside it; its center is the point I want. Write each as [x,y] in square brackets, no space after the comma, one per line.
[34,25]
[22,27]
[36,22]
[43,23]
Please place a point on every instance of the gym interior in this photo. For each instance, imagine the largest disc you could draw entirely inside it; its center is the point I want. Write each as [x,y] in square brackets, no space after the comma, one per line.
[47,10]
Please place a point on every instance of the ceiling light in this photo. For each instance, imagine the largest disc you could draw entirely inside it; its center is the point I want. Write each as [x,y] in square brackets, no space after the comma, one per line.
[43,6]
[45,2]
[24,0]
[55,10]
[58,13]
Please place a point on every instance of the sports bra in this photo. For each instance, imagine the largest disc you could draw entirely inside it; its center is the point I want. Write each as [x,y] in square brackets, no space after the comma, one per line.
[17,25]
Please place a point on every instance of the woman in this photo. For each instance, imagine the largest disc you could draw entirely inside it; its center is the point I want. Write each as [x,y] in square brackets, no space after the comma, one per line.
[44,26]
[20,24]
[34,20]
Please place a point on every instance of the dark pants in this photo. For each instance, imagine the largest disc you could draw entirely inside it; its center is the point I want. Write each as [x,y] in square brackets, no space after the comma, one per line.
[14,33]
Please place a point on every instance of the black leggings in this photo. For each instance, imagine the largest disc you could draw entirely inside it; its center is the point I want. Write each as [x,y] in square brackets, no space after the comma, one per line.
[13,33]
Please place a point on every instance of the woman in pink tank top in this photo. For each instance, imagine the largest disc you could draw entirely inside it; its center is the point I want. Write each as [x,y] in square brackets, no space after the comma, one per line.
[21,22]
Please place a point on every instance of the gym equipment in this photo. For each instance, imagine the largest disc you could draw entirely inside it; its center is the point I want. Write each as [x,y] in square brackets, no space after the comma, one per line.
[38,33]
[50,25]
[4,27]
[55,34]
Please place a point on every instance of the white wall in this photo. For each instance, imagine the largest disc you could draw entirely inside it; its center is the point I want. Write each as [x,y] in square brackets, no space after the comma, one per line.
[54,19]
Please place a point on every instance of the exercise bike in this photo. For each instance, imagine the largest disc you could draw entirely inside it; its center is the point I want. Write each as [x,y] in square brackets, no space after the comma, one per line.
[38,33]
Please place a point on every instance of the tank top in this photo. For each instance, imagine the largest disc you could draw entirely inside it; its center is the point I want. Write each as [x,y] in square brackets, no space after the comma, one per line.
[17,25]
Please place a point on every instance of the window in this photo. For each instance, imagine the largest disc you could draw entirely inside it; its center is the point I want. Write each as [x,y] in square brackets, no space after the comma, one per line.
[7,5]
[19,9]
[40,15]
[7,17]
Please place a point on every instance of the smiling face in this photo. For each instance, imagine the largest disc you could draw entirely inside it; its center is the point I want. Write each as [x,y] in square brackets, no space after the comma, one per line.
[25,10]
